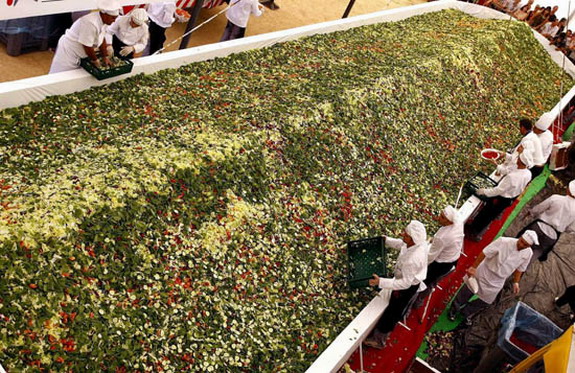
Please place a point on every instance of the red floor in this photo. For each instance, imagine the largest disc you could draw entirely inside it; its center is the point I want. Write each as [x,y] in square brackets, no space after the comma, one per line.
[403,344]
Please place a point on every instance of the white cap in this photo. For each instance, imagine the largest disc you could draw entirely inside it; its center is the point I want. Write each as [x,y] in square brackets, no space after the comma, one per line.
[572,188]
[530,237]
[450,213]
[139,16]
[416,230]
[545,121]
[526,158]
[109,7]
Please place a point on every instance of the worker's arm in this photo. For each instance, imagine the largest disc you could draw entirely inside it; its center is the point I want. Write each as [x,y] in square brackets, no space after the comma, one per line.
[91,55]
[541,208]
[471,270]
[394,243]
[516,278]
[104,53]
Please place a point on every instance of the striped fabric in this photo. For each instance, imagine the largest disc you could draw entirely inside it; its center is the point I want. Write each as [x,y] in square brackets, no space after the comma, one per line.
[184,4]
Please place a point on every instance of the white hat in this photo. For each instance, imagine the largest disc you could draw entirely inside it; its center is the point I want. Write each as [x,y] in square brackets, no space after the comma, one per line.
[416,230]
[526,158]
[572,188]
[450,213]
[530,237]
[545,121]
[109,7]
[139,16]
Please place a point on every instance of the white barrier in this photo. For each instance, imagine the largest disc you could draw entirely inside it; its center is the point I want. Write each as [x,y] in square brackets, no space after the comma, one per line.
[36,89]
[23,91]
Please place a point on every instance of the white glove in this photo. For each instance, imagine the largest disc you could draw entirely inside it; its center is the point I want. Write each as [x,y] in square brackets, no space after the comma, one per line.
[126,51]
[110,50]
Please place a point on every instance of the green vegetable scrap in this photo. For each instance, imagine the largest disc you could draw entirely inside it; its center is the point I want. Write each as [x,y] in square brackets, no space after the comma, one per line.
[197,218]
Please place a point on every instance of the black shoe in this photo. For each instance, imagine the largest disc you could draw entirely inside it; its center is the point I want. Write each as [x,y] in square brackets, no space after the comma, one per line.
[543,257]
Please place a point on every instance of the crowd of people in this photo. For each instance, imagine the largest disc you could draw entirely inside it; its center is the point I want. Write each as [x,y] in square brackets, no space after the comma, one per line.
[422,264]
[106,33]
[541,19]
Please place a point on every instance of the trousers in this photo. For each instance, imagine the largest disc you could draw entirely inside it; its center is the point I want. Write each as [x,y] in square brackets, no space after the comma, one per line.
[395,309]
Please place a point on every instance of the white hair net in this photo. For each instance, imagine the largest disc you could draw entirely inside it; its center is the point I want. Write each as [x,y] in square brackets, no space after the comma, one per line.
[416,230]
[110,7]
[139,16]
[530,237]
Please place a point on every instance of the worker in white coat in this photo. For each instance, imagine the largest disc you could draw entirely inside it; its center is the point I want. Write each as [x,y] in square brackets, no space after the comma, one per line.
[410,271]
[499,260]
[531,142]
[445,249]
[238,15]
[129,34]
[85,36]
[545,138]
[162,16]
[552,217]
[501,196]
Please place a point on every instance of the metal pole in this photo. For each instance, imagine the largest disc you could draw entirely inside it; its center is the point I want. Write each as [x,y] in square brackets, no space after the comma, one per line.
[348,9]
[191,23]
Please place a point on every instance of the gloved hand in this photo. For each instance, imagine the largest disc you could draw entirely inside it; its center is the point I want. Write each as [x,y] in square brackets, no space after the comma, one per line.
[480,191]
[110,50]
[96,63]
[126,51]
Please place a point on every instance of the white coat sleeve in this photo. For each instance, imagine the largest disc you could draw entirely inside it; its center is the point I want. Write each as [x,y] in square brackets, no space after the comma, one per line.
[256,9]
[141,44]
[435,249]
[491,249]
[168,15]
[399,284]
[501,188]
[88,34]
[541,207]
[394,243]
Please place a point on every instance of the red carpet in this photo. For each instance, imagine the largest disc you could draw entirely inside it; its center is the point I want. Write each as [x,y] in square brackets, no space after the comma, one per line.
[403,344]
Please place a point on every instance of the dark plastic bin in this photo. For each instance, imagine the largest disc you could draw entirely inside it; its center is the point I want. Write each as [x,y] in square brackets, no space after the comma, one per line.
[524,331]
[365,257]
[480,180]
[109,73]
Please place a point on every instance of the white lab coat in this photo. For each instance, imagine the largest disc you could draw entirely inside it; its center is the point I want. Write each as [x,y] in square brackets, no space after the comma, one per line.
[411,266]
[162,14]
[446,244]
[511,185]
[136,37]
[502,258]
[546,139]
[557,211]
[88,31]
[240,10]
[510,163]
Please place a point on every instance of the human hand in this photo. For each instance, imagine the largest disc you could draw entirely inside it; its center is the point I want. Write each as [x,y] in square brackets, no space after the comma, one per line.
[126,51]
[96,63]
[110,50]
[480,191]
[516,288]
[374,281]
[107,61]
[471,271]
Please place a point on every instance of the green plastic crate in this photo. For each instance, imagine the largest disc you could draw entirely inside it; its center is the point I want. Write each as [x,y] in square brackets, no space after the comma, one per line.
[365,257]
[479,181]
[109,73]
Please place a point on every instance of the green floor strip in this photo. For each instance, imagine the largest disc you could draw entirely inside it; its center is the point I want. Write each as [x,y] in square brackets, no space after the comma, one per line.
[443,323]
